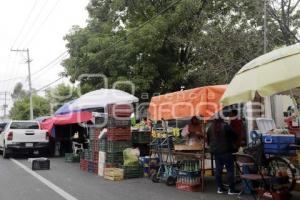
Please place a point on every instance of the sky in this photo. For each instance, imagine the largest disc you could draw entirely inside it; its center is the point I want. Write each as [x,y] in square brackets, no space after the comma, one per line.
[40,26]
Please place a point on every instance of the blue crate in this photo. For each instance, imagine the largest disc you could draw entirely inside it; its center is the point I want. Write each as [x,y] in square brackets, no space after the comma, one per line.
[278,144]
[189,174]
[279,139]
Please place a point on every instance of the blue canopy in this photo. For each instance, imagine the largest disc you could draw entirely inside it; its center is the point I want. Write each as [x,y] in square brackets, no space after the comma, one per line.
[65,109]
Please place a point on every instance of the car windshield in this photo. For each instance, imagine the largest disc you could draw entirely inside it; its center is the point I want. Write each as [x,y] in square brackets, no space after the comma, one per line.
[24,125]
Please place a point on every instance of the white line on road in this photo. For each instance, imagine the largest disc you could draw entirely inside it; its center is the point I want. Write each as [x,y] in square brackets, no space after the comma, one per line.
[51,185]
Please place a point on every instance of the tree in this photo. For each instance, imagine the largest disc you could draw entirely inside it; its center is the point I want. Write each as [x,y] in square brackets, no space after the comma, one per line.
[19,92]
[286,14]
[163,44]
[61,94]
[20,109]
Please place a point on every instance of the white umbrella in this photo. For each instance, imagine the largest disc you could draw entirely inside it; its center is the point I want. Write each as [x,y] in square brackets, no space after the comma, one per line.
[103,97]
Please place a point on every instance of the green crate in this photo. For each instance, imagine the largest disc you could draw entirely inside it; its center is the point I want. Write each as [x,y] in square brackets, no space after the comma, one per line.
[114,158]
[70,157]
[141,137]
[118,146]
[103,144]
[88,154]
[133,172]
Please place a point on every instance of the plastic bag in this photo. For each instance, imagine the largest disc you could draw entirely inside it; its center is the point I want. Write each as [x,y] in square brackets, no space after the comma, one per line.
[131,157]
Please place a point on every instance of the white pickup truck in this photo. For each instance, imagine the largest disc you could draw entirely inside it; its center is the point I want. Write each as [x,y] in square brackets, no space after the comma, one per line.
[22,137]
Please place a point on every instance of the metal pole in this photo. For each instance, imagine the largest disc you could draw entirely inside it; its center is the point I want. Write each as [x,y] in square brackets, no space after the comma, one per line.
[29,79]
[30,86]
[265,27]
[5,106]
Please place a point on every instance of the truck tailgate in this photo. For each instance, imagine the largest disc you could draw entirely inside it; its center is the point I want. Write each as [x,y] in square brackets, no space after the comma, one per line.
[29,135]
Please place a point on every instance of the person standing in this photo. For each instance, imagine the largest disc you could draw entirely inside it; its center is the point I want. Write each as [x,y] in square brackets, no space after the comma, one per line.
[194,131]
[236,123]
[221,140]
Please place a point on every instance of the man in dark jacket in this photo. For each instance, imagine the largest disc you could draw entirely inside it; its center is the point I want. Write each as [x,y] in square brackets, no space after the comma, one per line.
[221,139]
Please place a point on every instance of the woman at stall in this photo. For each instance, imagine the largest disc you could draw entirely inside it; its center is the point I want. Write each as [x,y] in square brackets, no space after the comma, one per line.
[194,131]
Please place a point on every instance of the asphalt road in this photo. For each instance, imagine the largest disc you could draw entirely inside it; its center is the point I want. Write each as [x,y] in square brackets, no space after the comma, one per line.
[64,181]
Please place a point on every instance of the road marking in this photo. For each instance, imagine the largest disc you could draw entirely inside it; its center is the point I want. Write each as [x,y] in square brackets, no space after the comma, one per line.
[51,185]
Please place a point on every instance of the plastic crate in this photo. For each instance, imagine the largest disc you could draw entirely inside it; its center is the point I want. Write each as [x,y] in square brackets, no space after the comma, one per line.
[141,137]
[188,187]
[132,172]
[96,156]
[83,165]
[189,174]
[88,154]
[119,110]
[114,158]
[120,137]
[113,174]
[278,144]
[40,164]
[70,157]
[118,123]
[119,131]
[117,146]
[103,144]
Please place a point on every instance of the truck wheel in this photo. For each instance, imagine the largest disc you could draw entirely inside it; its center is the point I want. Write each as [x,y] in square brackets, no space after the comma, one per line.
[4,152]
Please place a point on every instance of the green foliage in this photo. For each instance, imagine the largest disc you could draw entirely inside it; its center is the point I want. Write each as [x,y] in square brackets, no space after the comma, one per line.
[164,44]
[19,92]
[20,109]
[61,94]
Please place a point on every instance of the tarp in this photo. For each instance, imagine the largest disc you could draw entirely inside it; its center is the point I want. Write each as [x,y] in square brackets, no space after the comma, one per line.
[201,101]
[65,109]
[71,118]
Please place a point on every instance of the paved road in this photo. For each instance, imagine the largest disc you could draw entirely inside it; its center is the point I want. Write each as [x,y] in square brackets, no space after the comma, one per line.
[66,181]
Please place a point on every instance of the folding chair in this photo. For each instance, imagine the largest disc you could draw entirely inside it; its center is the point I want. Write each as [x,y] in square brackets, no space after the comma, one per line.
[77,147]
[256,176]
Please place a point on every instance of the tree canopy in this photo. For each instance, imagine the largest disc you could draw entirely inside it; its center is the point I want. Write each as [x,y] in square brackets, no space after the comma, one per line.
[162,45]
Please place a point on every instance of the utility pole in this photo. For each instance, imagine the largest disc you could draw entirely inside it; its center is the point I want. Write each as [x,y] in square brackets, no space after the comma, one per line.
[29,78]
[5,105]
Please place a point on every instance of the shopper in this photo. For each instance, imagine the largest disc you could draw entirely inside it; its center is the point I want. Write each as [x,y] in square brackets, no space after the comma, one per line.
[236,123]
[221,139]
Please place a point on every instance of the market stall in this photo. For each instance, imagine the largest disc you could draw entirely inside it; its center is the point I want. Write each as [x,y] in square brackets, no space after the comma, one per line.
[272,73]
[201,102]
[61,129]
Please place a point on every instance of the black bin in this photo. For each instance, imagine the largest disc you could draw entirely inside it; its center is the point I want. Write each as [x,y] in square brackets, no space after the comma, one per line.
[41,164]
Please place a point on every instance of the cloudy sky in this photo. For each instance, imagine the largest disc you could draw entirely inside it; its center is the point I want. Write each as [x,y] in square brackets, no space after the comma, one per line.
[40,26]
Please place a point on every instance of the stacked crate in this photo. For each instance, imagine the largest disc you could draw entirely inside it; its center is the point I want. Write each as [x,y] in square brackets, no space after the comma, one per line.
[89,160]
[189,176]
[141,139]
[118,137]
[71,157]
[118,133]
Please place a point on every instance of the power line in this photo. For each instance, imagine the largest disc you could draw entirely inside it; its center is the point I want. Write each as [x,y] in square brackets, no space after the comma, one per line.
[51,62]
[11,79]
[43,23]
[25,22]
[34,22]
[48,85]
[120,40]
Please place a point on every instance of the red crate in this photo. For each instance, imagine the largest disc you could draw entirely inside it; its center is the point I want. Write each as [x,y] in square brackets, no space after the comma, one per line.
[121,110]
[96,146]
[188,187]
[118,131]
[96,157]
[83,165]
[119,137]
